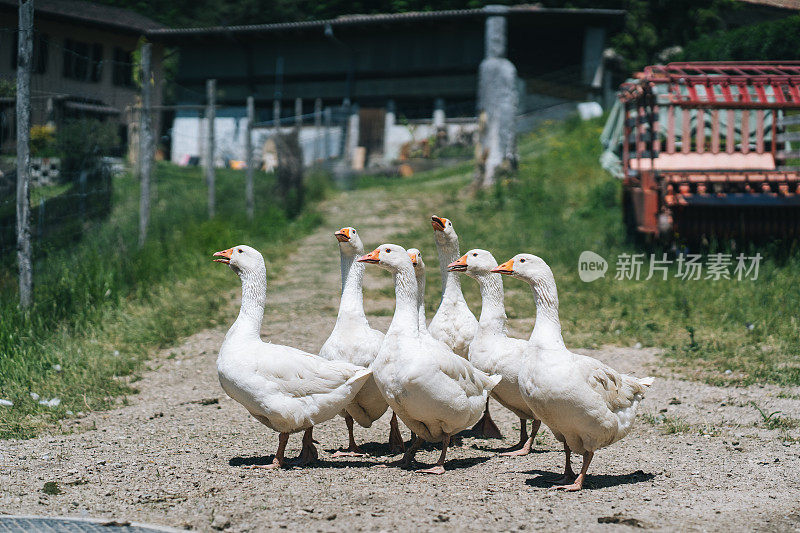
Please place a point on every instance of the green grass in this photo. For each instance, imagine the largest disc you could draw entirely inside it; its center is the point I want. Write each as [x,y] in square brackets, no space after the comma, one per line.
[562,203]
[102,305]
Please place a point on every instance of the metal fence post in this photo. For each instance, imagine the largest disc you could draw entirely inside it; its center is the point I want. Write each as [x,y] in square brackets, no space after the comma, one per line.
[211,97]
[24,58]
[248,148]
[145,144]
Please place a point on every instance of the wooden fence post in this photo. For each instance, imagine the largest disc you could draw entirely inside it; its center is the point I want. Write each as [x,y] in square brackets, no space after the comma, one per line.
[248,147]
[24,58]
[145,145]
[211,102]
[326,134]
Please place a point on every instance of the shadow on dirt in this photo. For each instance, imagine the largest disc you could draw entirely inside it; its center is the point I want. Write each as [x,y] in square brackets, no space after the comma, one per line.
[544,479]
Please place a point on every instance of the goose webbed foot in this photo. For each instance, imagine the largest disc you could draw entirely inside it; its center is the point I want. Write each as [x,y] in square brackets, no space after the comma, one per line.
[408,457]
[438,468]
[308,454]
[525,444]
[352,449]
[486,427]
[396,444]
[577,484]
[278,461]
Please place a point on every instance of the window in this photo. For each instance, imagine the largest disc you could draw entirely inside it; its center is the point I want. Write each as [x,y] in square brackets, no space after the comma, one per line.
[40,53]
[76,60]
[97,63]
[123,68]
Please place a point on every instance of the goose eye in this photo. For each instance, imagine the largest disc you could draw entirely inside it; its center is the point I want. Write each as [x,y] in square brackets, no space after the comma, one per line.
[475,254]
[521,260]
[240,250]
[387,250]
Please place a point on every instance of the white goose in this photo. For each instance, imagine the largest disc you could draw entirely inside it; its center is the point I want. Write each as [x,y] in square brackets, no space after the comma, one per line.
[419,272]
[492,350]
[284,388]
[434,392]
[587,404]
[354,341]
[454,324]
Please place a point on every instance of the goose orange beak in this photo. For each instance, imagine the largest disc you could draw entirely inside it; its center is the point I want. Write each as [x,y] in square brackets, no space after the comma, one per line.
[438,223]
[371,257]
[343,235]
[413,257]
[225,256]
[459,265]
[505,268]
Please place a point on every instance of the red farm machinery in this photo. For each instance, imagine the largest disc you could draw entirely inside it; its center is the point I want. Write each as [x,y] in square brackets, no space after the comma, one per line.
[706,150]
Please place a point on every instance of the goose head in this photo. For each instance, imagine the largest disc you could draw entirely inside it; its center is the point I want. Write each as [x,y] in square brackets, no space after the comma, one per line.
[416,259]
[391,257]
[525,267]
[349,241]
[474,263]
[242,259]
[443,231]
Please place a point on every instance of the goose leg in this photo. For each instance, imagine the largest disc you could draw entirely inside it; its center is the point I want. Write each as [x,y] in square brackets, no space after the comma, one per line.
[396,444]
[277,461]
[411,452]
[569,475]
[486,427]
[525,442]
[578,483]
[308,454]
[352,450]
[438,468]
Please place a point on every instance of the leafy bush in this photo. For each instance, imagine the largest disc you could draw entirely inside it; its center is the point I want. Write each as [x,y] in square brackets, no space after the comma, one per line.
[81,142]
[768,41]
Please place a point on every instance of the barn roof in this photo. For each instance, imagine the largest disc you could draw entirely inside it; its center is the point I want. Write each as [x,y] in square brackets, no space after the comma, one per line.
[78,11]
[610,15]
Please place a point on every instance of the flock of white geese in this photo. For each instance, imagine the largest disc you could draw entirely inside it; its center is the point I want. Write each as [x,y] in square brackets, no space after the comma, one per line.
[437,377]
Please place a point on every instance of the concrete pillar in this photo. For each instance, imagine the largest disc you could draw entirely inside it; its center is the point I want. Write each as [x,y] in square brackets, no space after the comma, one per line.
[298,113]
[353,125]
[276,114]
[389,154]
[592,64]
[438,113]
[498,102]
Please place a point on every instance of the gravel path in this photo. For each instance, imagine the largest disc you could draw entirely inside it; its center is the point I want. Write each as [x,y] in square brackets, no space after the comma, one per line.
[699,459]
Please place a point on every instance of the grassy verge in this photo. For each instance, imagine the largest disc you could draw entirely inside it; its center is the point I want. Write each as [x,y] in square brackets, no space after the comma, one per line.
[562,203]
[102,305]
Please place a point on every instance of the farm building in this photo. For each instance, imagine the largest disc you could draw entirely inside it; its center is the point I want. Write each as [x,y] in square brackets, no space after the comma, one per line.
[83,63]
[401,70]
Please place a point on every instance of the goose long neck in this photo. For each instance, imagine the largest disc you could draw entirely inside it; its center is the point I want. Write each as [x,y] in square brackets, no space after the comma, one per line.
[423,326]
[406,312]
[352,302]
[547,330]
[451,282]
[493,310]
[254,299]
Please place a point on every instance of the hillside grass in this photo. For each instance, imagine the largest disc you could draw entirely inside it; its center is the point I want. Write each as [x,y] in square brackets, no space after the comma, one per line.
[102,305]
[561,203]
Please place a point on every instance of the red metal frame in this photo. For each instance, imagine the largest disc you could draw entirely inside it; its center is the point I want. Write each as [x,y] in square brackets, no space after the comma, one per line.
[660,201]
[750,79]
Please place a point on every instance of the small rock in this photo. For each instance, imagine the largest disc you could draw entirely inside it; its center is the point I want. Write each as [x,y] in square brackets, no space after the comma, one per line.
[221,521]
[331,517]
[116,353]
[728,372]
[34,396]
[57,368]
[638,345]
[6,403]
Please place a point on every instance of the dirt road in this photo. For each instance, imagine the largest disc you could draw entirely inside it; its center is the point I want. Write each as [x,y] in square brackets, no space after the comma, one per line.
[701,458]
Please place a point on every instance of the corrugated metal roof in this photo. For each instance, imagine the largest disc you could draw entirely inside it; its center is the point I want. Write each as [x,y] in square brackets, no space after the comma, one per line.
[384,18]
